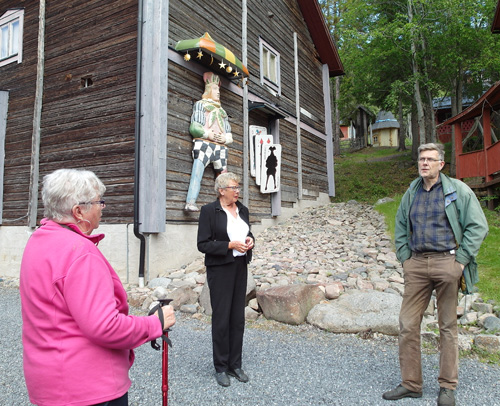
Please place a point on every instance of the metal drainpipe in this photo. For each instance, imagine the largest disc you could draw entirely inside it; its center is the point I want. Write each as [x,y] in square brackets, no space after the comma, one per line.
[142,254]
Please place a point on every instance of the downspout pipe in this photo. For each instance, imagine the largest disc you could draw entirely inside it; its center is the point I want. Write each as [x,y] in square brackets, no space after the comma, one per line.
[138,111]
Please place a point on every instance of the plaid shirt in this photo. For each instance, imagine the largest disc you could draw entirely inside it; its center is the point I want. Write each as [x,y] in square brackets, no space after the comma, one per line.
[431,230]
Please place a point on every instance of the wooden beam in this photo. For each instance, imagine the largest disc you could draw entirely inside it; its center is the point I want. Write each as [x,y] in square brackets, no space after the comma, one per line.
[37,118]
[329,132]
[4,103]
[244,56]
[297,109]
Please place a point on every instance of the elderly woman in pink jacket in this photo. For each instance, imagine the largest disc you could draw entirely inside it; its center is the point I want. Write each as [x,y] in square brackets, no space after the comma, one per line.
[77,334]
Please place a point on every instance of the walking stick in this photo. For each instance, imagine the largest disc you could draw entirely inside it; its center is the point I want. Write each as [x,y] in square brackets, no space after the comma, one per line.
[165,341]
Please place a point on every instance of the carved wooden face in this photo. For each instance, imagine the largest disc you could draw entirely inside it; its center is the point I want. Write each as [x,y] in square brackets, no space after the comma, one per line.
[213,92]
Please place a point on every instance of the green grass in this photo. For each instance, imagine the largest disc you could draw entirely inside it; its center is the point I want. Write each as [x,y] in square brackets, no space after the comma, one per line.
[389,210]
[366,177]
[359,177]
[489,260]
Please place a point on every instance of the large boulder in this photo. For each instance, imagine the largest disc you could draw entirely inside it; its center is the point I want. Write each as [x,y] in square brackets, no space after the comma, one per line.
[488,342]
[289,304]
[182,296]
[359,311]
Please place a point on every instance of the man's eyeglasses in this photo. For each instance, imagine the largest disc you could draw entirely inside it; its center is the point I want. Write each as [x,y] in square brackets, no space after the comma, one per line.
[235,188]
[101,202]
[430,160]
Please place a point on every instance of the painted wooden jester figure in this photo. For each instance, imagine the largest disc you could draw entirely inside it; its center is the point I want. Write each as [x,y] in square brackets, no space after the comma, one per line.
[211,133]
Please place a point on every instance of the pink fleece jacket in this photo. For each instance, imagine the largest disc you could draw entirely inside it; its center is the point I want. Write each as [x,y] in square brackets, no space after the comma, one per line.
[77,334]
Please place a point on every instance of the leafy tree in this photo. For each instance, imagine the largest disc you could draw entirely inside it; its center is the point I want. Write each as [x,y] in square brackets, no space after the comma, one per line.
[401,54]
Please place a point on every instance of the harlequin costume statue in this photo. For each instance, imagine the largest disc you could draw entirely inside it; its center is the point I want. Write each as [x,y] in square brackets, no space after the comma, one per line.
[211,133]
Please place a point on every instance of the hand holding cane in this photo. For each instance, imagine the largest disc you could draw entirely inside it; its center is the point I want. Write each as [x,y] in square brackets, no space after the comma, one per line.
[165,341]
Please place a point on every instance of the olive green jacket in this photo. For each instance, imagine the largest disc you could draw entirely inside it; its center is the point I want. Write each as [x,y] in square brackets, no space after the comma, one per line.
[466,218]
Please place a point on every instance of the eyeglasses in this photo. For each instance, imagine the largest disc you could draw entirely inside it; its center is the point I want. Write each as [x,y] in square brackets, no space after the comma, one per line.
[101,202]
[430,160]
[235,188]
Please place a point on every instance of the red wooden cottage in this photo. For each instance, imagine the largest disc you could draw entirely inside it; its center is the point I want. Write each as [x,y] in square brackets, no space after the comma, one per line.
[476,147]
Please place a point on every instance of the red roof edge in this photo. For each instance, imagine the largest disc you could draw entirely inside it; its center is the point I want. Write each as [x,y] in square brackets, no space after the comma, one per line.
[491,97]
[495,25]
[313,16]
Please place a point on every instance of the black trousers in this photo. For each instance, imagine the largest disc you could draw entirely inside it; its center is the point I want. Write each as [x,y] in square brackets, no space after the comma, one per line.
[228,285]
[121,401]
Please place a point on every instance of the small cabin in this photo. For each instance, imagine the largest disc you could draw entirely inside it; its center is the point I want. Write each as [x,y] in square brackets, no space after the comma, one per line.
[385,130]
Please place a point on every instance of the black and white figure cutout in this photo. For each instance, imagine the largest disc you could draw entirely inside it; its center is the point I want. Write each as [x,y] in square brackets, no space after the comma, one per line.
[271,168]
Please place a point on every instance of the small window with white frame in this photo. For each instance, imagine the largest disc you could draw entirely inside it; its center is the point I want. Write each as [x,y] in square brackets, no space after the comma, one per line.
[11,36]
[269,67]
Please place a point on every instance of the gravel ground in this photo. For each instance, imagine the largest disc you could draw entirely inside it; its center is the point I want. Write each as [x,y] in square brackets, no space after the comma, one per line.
[287,365]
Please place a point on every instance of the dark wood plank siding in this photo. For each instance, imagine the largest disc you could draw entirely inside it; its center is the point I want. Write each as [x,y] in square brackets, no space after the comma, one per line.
[92,127]
[19,80]
[81,127]
[185,87]
[222,20]
[278,32]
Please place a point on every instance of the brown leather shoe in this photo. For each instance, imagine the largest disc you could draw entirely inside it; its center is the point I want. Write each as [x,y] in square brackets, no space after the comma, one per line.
[446,397]
[401,392]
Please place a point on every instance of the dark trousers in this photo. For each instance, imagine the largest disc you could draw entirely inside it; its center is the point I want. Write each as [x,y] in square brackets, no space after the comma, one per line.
[121,401]
[228,284]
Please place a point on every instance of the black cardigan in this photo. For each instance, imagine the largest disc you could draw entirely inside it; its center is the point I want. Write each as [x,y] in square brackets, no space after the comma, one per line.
[213,240]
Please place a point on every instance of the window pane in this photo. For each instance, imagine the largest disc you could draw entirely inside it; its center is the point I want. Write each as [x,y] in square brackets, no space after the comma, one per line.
[15,38]
[4,46]
[272,67]
[265,62]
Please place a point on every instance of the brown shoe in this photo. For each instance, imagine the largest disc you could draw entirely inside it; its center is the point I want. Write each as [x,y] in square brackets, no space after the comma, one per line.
[446,397]
[401,392]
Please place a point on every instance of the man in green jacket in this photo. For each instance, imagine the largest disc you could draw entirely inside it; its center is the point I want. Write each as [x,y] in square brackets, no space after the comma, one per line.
[440,226]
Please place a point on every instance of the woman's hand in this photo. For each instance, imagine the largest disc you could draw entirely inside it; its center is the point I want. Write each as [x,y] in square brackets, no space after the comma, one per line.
[238,246]
[249,242]
[168,316]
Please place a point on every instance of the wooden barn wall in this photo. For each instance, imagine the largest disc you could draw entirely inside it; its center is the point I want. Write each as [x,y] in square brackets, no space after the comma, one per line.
[19,80]
[185,87]
[187,20]
[278,32]
[92,127]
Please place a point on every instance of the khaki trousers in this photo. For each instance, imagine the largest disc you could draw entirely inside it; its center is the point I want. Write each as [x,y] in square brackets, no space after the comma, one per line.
[422,274]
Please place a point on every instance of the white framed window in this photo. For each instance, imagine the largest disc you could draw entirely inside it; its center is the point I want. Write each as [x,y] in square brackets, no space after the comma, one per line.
[269,67]
[11,36]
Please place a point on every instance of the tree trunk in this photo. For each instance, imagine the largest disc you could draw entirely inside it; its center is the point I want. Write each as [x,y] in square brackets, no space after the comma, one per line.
[402,125]
[430,118]
[414,128]
[456,107]
[416,75]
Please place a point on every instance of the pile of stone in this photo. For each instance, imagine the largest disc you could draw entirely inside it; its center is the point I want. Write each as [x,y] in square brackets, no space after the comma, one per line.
[333,267]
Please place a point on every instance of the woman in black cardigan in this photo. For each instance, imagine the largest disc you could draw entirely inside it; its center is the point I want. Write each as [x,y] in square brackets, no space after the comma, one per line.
[224,237]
